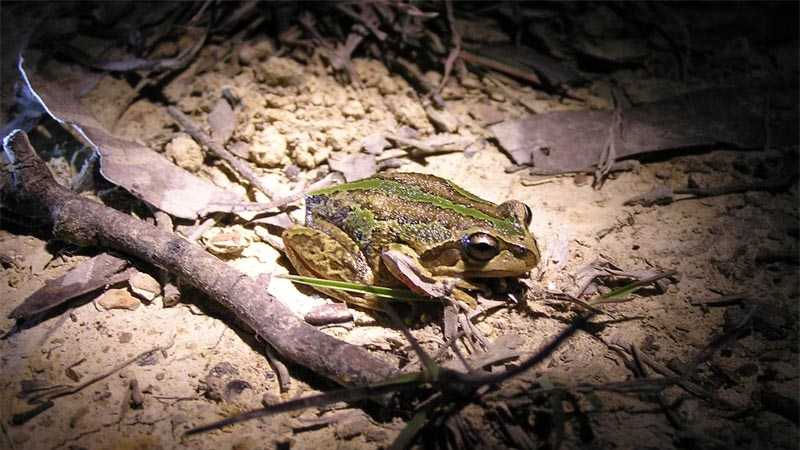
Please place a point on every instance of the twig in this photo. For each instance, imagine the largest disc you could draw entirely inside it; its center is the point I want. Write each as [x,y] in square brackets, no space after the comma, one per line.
[456,39]
[663,194]
[768,185]
[363,18]
[263,207]
[284,380]
[526,75]
[608,154]
[659,396]
[413,74]
[544,352]
[687,385]
[724,300]
[213,145]
[61,391]
[131,64]
[339,59]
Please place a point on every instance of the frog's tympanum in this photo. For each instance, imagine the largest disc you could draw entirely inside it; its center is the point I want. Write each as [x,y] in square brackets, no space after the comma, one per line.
[412,230]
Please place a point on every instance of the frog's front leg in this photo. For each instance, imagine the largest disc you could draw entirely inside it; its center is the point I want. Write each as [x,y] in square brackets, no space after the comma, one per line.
[403,262]
[316,254]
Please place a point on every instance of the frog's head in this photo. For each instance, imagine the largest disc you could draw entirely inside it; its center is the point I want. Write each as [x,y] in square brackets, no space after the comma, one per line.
[499,248]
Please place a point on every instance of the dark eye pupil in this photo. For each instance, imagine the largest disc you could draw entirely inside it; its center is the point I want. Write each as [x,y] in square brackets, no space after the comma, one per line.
[481,247]
[528,215]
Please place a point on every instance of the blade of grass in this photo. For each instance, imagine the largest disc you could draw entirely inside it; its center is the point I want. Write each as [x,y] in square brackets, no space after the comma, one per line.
[629,289]
[394,294]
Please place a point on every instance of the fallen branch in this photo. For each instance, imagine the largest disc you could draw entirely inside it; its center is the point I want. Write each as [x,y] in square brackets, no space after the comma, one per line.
[86,223]
[662,194]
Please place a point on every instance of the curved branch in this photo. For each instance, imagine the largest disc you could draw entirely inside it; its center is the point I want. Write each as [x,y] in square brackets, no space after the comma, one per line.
[86,223]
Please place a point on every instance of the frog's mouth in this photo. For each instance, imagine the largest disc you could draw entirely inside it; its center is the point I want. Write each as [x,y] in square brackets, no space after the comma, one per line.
[504,264]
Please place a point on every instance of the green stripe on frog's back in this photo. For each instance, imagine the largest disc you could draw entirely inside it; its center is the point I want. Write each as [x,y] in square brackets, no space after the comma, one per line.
[423,189]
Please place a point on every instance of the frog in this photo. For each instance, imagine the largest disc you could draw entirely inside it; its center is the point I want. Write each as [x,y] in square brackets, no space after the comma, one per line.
[410,230]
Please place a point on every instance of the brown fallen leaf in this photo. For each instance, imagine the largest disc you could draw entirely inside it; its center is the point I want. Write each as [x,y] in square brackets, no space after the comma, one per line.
[572,141]
[91,275]
[222,121]
[141,171]
[353,166]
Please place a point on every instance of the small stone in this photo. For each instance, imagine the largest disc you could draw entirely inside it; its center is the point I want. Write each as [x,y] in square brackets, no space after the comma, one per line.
[125,337]
[186,153]
[354,109]
[251,54]
[388,85]
[307,153]
[409,112]
[470,82]
[443,119]
[118,299]
[328,314]
[278,71]
[337,138]
[349,428]
[486,114]
[497,96]
[234,388]
[664,173]
[316,99]
[269,149]
[144,286]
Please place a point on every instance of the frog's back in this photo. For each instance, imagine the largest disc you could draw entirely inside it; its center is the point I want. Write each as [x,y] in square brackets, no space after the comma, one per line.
[405,199]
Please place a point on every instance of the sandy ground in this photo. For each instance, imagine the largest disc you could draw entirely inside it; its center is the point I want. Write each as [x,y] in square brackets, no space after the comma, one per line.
[717,245]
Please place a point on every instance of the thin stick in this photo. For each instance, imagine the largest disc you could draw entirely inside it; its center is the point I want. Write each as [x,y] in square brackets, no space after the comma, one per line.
[218,150]
[66,390]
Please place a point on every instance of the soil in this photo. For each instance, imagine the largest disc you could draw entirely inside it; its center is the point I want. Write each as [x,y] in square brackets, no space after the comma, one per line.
[292,109]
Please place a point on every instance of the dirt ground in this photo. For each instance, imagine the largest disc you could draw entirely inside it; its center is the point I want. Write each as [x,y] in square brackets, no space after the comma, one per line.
[292,109]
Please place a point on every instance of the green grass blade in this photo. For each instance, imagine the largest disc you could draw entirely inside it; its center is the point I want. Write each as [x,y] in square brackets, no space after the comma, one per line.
[394,294]
[630,288]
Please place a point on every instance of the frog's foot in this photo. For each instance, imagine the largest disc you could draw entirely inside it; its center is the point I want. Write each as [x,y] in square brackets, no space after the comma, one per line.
[419,280]
[464,300]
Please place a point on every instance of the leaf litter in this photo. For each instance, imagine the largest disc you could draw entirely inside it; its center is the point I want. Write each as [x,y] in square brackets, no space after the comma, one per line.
[335,93]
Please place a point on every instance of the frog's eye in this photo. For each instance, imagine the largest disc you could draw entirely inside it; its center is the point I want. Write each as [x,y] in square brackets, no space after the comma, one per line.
[519,210]
[481,246]
[528,215]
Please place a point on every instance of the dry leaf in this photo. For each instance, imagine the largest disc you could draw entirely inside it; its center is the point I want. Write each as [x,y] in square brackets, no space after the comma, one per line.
[141,171]
[571,141]
[93,274]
